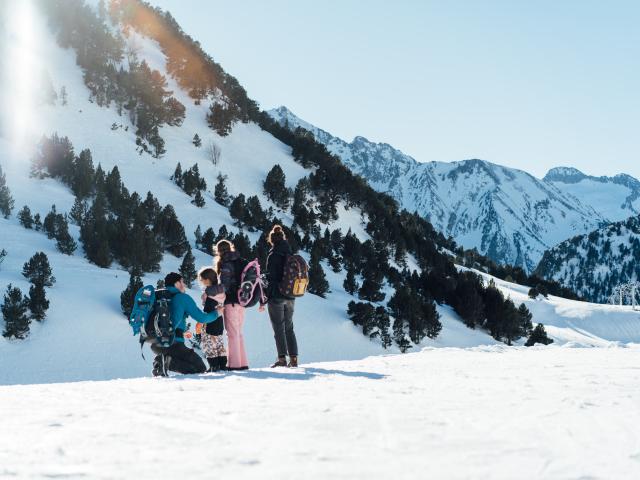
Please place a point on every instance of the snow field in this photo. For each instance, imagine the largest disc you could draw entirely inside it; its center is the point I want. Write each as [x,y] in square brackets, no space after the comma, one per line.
[480,413]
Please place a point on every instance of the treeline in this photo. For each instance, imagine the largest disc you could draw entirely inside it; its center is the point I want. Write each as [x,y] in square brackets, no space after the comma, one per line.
[193,68]
[136,89]
[473,259]
[114,224]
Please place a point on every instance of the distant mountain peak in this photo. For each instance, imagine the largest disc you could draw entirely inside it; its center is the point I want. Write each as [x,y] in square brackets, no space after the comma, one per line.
[564,174]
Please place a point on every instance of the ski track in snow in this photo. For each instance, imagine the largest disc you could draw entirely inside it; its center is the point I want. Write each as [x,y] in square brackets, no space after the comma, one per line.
[485,413]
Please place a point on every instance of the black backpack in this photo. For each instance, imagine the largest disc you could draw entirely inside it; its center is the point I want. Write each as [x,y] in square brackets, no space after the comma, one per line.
[160,328]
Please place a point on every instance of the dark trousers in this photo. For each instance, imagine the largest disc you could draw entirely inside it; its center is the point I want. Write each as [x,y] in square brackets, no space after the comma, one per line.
[281,315]
[179,358]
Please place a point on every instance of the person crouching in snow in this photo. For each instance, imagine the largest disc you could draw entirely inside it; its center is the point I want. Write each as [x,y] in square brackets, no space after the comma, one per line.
[212,338]
[178,357]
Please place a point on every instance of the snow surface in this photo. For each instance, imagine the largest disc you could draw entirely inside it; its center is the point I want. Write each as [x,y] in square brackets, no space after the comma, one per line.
[481,413]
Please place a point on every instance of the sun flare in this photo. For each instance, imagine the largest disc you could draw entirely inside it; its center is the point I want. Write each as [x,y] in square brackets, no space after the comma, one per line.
[20,71]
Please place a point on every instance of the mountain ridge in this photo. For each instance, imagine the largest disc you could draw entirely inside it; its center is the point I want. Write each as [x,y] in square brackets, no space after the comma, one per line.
[506,213]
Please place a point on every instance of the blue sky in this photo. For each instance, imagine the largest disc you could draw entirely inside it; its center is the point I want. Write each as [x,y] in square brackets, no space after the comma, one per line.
[528,84]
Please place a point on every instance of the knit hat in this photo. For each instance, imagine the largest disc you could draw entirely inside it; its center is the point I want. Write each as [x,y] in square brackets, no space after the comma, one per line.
[171,279]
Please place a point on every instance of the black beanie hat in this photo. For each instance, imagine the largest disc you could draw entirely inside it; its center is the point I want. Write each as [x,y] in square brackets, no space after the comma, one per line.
[171,279]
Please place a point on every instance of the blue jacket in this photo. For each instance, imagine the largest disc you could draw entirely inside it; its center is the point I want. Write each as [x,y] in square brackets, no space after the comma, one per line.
[183,306]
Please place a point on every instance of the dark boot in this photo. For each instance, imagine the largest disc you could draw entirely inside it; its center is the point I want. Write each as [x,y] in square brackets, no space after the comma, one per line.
[159,366]
[281,362]
[293,361]
[214,364]
[223,363]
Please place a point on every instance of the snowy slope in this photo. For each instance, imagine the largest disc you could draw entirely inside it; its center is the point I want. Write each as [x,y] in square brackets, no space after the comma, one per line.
[505,213]
[482,413]
[570,322]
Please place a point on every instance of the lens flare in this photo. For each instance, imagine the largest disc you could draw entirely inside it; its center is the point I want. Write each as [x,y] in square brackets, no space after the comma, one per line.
[20,71]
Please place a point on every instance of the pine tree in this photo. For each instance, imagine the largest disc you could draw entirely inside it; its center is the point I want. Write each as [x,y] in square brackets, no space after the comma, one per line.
[6,200]
[171,232]
[196,141]
[538,335]
[14,311]
[49,225]
[25,218]
[83,175]
[157,142]
[78,211]
[3,255]
[152,208]
[38,303]
[64,241]
[371,285]
[198,200]
[399,336]
[127,297]
[275,187]
[255,216]
[37,224]
[362,314]
[220,193]
[238,209]
[208,240]
[177,175]
[221,119]
[383,322]
[526,316]
[198,235]
[243,245]
[38,271]
[350,285]
[468,302]
[188,268]
[318,284]
[95,232]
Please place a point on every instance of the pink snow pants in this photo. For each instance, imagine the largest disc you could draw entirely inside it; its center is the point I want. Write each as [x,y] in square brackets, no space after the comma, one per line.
[233,322]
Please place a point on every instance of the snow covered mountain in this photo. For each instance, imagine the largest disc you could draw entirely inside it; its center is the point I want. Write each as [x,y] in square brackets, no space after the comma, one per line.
[614,198]
[507,214]
[594,264]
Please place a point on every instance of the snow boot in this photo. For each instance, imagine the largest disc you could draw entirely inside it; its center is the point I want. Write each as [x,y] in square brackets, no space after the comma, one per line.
[160,366]
[293,361]
[281,362]
[214,364]
[223,363]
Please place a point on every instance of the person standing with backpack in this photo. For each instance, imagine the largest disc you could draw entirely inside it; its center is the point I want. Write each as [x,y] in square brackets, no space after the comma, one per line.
[178,357]
[229,265]
[280,305]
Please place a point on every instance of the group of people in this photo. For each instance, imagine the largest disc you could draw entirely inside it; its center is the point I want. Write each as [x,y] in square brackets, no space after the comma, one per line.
[221,311]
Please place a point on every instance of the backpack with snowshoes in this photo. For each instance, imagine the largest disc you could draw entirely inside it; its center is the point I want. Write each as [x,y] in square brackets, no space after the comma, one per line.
[295,277]
[151,316]
[251,286]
